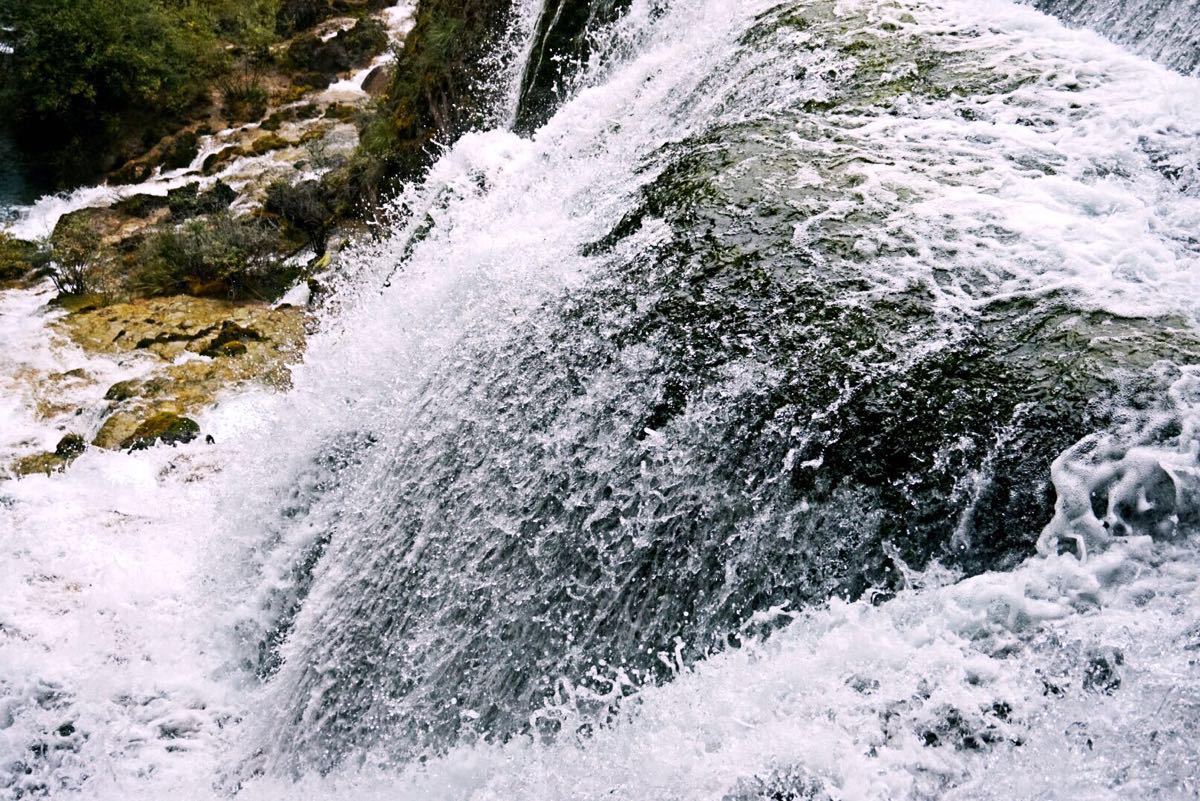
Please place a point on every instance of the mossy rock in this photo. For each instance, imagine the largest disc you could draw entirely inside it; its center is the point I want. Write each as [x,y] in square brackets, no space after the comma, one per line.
[231,340]
[219,159]
[67,450]
[133,172]
[341,111]
[70,446]
[165,427]
[141,205]
[378,80]
[77,304]
[307,111]
[268,143]
[123,390]
[39,464]
[18,258]
[181,151]
[320,61]
[230,349]
[313,135]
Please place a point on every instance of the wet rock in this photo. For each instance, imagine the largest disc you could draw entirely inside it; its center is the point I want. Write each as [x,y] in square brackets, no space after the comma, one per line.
[118,428]
[245,343]
[164,427]
[111,226]
[378,80]
[1102,670]
[265,144]
[320,62]
[68,449]
[122,390]
[231,340]
[141,205]
[341,111]
[181,151]
[133,172]
[789,784]
[39,464]
[70,446]
[306,111]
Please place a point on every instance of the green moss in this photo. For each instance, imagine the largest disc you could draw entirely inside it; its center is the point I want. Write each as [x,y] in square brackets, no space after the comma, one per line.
[265,144]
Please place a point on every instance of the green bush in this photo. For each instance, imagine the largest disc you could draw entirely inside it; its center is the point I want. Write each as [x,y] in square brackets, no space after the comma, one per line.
[79,264]
[220,255]
[304,211]
[244,98]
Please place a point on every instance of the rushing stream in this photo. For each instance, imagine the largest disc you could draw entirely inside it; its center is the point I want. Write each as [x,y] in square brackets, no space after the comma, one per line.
[808,409]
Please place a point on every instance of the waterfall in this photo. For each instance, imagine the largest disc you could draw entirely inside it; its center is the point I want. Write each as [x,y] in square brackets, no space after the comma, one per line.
[765,314]
[1167,31]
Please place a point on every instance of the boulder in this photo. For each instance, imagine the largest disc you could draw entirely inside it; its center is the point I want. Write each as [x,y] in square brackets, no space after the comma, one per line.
[378,80]
[68,449]
[165,427]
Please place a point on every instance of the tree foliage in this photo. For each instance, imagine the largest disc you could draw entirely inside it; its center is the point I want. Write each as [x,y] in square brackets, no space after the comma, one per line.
[85,76]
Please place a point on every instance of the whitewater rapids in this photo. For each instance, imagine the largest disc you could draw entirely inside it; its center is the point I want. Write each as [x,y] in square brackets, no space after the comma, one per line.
[182,623]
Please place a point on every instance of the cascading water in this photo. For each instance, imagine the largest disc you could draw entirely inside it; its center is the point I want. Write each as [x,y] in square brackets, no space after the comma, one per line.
[806,410]
[756,319]
[1167,31]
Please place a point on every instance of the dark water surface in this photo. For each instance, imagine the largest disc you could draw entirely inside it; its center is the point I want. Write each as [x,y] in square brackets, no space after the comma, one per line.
[17,187]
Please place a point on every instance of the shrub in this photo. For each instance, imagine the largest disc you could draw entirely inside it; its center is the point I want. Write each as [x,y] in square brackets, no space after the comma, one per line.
[244,98]
[304,211]
[218,255]
[300,15]
[188,201]
[77,257]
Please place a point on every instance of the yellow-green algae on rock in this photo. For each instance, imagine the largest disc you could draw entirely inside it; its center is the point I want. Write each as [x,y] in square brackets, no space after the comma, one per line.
[205,346]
